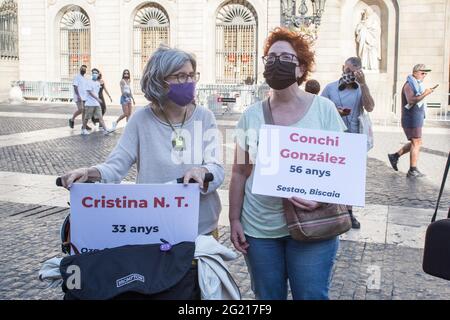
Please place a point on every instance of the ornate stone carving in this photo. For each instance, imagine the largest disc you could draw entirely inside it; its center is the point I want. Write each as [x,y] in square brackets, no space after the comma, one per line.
[368,37]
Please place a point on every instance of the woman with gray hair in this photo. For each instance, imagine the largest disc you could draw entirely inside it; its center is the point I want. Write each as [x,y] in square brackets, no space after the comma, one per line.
[172,137]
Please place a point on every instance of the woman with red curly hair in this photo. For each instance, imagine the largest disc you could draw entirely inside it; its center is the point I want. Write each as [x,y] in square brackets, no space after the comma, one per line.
[258,224]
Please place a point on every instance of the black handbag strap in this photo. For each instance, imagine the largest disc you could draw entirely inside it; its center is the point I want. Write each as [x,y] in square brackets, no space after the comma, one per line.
[442,190]
[268,118]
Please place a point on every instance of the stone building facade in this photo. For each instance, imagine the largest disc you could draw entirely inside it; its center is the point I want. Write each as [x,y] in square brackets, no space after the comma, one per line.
[227,36]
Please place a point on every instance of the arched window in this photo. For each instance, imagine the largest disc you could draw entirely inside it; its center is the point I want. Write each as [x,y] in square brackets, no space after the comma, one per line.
[236,43]
[151,28]
[8,30]
[75,42]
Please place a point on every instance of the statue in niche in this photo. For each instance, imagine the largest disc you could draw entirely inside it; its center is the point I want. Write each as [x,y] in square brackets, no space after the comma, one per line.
[368,37]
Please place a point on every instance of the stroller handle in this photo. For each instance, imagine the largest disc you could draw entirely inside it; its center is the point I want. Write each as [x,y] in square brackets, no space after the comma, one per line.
[59,182]
[208,178]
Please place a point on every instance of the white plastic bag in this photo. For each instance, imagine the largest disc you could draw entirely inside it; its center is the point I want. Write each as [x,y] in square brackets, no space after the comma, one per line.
[365,127]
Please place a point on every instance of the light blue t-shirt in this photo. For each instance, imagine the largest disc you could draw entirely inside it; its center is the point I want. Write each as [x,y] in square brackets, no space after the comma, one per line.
[262,216]
[349,98]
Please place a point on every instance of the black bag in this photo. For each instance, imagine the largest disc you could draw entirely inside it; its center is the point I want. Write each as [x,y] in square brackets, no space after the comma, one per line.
[132,272]
[436,256]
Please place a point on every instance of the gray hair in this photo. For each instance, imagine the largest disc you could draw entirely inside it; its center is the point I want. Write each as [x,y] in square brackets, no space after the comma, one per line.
[163,62]
[354,61]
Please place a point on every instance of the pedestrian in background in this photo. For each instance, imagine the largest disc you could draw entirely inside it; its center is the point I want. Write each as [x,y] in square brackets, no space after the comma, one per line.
[93,102]
[258,223]
[101,96]
[413,115]
[79,95]
[312,86]
[126,97]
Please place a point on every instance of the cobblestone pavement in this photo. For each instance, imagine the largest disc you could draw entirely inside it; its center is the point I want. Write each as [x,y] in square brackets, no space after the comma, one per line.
[10,125]
[29,234]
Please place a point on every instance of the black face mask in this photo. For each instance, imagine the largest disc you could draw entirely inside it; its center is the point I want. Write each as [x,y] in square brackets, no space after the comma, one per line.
[82,72]
[279,75]
[343,85]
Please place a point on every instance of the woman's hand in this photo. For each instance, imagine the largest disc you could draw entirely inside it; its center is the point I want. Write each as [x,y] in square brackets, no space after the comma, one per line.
[237,236]
[360,77]
[78,175]
[308,205]
[198,174]
[428,91]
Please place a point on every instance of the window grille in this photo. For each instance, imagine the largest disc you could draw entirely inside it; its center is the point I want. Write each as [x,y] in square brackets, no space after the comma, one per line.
[151,28]
[75,42]
[236,43]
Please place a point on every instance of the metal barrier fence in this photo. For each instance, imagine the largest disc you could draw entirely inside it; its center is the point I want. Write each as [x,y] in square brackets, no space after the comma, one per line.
[436,111]
[219,98]
[45,91]
[223,98]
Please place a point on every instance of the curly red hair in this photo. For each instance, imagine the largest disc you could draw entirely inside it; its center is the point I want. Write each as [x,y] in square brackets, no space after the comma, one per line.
[301,44]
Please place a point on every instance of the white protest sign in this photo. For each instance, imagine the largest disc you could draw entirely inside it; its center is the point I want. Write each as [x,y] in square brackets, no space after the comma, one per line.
[112,215]
[324,166]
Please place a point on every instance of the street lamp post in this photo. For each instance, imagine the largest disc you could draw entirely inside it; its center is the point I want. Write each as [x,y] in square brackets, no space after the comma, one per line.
[301,22]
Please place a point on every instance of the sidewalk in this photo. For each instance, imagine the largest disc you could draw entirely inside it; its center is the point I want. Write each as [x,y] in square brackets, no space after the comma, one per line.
[382,261]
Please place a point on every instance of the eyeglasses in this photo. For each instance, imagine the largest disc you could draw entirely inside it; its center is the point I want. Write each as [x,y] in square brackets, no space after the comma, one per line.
[184,77]
[283,58]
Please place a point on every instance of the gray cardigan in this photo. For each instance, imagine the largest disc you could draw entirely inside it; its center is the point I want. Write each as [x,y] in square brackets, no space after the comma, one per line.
[147,141]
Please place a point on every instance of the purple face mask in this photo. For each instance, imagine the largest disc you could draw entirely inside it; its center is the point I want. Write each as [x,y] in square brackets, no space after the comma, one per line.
[182,93]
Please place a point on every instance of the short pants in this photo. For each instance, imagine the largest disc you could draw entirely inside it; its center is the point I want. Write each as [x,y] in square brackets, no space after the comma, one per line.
[92,111]
[413,133]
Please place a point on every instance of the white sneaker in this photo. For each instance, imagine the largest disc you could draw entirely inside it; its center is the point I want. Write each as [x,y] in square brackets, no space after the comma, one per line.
[106,131]
[114,125]
[84,132]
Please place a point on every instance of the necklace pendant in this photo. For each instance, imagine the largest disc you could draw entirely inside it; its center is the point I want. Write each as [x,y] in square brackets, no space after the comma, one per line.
[178,143]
